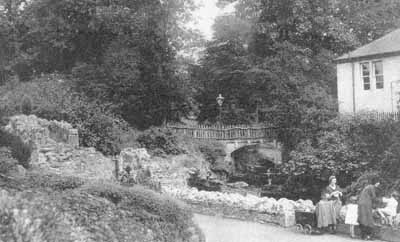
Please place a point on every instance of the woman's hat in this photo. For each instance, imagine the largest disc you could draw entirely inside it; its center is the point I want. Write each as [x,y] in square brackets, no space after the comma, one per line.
[331,178]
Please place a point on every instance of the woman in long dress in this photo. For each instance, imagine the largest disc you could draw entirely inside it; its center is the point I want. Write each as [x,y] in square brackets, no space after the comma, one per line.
[365,216]
[328,210]
[335,195]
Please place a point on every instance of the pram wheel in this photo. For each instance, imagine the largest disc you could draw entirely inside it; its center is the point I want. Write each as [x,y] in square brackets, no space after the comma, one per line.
[299,227]
[307,229]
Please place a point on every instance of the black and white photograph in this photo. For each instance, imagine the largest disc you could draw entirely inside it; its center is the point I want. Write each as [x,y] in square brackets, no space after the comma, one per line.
[199,120]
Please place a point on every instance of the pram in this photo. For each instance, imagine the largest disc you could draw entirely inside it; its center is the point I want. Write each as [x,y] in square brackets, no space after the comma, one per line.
[306,222]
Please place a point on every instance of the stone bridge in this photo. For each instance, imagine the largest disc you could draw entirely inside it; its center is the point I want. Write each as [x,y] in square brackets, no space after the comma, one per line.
[235,137]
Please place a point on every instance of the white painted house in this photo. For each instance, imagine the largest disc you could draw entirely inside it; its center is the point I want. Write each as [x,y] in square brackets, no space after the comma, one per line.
[368,78]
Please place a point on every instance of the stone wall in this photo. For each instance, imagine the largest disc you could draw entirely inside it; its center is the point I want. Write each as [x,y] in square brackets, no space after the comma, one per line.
[40,132]
[247,207]
[55,149]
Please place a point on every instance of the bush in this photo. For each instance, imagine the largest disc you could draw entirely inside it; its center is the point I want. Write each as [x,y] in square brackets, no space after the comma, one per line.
[357,186]
[161,141]
[347,147]
[53,98]
[59,209]
[390,165]
[7,162]
[172,215]
[26,106]
[54,182]
[32,218]
[137,196]
[211,150]
[19,150]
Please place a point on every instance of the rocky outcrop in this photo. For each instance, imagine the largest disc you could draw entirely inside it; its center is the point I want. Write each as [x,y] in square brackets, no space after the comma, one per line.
[131,161]
[83,162]
[274,211]
[55,149]
[41,132]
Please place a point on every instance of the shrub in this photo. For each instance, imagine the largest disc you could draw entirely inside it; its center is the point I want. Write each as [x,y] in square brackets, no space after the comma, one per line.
[390,165]
[31,218]
[7,162]
[94,212]
[211,150]
[347,147]
[54,182]
[159,210]
[357,186]
[19,150]
[26,106]
[139,197]
[52,97]
[161,141]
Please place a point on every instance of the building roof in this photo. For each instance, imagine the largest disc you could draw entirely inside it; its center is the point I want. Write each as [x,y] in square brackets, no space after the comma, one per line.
[388,45]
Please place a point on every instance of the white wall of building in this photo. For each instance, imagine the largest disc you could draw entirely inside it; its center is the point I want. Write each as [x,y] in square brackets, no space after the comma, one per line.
[344,87]
[382,100]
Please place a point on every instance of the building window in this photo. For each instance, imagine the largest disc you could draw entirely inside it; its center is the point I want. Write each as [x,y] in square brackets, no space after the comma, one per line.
[378,72]
[365,75]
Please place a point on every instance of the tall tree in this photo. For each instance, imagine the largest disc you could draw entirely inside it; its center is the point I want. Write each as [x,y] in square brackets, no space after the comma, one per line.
[122,52]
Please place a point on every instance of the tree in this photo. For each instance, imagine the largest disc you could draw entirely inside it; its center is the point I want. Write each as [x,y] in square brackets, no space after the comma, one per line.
[123,52]
[277,56]
[260,65]
[9,49]
[348,147]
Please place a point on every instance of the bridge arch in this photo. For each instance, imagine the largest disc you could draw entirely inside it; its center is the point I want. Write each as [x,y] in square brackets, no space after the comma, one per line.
[234,137]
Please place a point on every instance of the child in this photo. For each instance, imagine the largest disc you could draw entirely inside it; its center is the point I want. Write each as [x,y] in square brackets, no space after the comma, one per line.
[352,215]
[390,211]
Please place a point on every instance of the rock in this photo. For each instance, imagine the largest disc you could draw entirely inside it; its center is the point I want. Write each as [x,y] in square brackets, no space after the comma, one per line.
[286,205]
[134,158]
[239,184]
[52,151]
[39,132]
[20,171]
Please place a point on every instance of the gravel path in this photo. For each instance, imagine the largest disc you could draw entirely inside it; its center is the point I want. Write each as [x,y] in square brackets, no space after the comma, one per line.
[217,229]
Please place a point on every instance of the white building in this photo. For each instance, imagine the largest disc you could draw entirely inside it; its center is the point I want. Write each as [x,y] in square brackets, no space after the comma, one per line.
[368,78]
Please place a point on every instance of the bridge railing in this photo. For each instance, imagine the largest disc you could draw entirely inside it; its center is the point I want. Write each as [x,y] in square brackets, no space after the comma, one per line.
[225,132]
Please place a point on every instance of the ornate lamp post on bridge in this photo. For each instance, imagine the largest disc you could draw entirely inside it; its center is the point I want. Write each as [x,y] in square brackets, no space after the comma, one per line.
[220,101]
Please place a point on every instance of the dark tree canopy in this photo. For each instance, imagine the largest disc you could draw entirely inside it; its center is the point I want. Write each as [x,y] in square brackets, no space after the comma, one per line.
[273,60]
[121,52]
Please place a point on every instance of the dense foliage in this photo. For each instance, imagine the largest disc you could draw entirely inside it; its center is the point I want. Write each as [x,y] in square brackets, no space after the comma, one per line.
[52,97]
[161,141]
[121,52]
[390,165]
[13,149]
[46,208]
[348,147]
[272,60]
